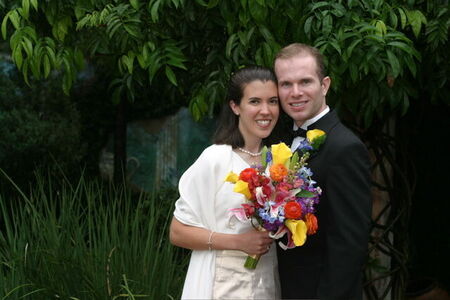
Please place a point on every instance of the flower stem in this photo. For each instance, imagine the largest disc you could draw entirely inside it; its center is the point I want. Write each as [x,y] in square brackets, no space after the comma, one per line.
[251,262]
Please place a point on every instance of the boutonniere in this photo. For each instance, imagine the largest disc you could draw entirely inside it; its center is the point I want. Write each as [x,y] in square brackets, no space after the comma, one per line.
[314,139]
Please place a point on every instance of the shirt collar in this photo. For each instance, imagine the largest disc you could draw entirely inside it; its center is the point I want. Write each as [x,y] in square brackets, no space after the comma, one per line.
[313,120]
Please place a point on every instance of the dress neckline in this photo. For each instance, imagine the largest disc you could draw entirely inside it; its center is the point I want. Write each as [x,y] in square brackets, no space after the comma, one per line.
[243,160]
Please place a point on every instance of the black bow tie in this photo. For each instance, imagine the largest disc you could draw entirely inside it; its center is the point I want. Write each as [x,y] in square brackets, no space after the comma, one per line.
[299,132]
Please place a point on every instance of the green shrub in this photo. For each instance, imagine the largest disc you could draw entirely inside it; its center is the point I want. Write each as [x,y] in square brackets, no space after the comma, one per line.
[88,241]
[40,127]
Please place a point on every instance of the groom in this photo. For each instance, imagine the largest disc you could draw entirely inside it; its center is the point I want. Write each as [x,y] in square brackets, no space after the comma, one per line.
[329,265]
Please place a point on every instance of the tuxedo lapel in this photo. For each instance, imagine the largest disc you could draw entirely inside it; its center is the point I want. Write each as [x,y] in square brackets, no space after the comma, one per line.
[326,123]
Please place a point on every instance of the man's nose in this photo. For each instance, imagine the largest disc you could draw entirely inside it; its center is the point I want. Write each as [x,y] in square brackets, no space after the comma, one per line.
[296,90]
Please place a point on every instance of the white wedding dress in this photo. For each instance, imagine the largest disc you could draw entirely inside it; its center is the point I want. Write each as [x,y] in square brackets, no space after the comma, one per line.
[205,200]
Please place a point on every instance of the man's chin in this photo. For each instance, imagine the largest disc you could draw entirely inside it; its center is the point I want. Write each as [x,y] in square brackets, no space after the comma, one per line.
[299,118]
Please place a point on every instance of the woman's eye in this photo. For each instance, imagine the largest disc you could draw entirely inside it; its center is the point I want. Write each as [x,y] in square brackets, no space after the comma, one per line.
[274,101]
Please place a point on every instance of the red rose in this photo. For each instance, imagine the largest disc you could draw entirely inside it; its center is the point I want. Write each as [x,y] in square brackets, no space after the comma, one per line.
[292,210]
[248,175]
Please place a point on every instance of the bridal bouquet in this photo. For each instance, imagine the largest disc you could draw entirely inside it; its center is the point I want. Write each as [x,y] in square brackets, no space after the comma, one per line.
[282,200]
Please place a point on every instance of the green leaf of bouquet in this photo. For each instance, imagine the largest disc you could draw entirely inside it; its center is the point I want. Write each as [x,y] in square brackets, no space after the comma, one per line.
[294,160]
[288,163]
[305,194]
[264,156]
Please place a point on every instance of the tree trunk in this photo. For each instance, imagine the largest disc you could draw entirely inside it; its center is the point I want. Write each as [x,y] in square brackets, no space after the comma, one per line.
[120,143]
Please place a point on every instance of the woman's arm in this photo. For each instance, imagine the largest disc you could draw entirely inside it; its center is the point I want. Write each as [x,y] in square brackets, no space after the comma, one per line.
[196,238]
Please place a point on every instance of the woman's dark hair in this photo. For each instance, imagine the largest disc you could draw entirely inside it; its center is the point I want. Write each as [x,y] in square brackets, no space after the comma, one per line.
[228,128]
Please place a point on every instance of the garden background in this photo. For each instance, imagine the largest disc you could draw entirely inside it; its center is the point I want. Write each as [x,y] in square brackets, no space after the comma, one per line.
[104,103]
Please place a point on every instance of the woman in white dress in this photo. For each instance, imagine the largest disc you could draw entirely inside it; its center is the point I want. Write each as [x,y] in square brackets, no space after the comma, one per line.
[202,221]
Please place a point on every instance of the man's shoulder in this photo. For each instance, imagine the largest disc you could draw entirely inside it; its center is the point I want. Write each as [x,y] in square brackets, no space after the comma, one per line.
[342,136]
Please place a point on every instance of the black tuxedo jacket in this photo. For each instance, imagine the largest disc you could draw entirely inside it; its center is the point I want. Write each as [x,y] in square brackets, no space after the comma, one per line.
[329,265]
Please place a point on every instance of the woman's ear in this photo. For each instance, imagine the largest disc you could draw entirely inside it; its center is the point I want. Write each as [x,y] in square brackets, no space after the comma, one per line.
[234,107]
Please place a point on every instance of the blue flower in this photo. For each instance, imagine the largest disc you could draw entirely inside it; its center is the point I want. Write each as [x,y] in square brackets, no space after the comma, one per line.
[269,157]
[304,146]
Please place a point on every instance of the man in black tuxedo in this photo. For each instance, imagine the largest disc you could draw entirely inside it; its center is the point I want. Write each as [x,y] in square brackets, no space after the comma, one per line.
[329,265]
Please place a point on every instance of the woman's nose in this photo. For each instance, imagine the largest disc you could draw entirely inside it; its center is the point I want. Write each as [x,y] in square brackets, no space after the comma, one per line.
[264,108]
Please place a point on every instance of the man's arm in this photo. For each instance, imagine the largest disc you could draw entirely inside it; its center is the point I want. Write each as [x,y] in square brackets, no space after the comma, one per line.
[349,212]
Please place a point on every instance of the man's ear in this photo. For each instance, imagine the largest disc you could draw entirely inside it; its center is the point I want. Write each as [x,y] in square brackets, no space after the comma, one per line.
[326,82]
[234,107]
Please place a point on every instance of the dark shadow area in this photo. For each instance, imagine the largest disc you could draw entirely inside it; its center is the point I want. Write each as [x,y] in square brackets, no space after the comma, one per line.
[429,224]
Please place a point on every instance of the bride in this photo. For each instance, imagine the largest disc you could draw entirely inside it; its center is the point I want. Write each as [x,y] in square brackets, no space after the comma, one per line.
[201,219]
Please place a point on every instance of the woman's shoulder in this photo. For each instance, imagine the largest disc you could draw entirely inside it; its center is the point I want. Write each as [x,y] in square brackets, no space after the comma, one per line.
[215,151]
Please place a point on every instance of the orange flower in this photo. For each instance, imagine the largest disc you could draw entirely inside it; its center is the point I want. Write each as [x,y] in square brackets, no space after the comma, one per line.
[311,223]
[278,172]
[292,210]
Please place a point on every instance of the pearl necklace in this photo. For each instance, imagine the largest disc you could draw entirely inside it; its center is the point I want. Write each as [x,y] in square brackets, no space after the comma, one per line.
[250,153]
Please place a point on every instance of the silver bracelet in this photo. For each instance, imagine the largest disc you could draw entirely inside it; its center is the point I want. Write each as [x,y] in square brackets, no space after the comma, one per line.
[209,243]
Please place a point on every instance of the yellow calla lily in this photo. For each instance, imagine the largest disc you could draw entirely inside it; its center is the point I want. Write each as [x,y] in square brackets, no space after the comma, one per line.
[312,134]
[232,177]
[242,187]
[280,153]
[298,229]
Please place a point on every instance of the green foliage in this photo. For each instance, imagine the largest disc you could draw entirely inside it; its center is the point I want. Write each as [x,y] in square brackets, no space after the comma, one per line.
[40,128]
[88,241]
[374,48]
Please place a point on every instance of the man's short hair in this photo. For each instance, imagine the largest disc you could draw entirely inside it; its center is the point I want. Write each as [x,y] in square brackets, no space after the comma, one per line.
[298,49]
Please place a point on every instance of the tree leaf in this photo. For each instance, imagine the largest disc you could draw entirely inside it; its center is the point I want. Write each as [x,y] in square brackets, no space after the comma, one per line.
[4,22]
[307,26]
[25,11]
[27,45]
[17,56]
[34,3]
[416,18]
[47,66]
[135,4]
[154,10]
[393,61]
[230,44]
[171,76]
[400,45]
[402,14]
[319,5]
[266,33]
[258,12]
[405,104]
[352,46]
[14,17]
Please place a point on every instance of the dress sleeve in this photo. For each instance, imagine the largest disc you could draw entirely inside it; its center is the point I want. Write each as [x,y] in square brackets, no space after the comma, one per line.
[198,187]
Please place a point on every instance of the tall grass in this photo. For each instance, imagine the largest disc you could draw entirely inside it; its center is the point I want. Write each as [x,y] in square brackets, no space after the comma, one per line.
[88,241]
